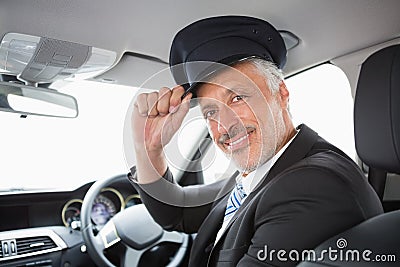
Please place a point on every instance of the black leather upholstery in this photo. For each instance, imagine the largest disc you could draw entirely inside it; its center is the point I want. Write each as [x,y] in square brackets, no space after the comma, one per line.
[377,110]
[377,135]
[380,235]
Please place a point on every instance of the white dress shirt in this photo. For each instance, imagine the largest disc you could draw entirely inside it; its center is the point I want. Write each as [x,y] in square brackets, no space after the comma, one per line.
[251,181]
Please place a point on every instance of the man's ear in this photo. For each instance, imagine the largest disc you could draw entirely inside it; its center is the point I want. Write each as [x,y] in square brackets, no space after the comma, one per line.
[284,95]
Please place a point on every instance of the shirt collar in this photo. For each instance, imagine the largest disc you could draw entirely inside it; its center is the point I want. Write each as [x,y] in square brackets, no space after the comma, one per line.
[254,178]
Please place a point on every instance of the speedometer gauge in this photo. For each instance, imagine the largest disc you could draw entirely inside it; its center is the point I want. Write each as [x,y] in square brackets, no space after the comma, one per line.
[102,210]
[106,205]
[132,200]
[71,212]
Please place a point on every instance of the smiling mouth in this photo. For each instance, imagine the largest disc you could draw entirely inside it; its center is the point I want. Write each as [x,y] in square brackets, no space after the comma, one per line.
[238,141]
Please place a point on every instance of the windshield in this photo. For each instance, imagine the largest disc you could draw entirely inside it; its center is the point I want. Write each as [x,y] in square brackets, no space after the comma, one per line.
[44,153]
[61,154]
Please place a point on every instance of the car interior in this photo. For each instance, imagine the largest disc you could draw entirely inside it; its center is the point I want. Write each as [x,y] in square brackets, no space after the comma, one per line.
[70,71]
[379,70]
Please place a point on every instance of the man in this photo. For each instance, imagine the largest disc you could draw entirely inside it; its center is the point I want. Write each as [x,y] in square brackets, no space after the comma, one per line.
[292,190]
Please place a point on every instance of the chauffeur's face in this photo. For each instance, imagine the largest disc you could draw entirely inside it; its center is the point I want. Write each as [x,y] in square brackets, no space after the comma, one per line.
[246,121]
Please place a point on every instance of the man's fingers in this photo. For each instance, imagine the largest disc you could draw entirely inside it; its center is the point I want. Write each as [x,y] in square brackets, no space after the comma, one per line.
[164,96]
[183,107]
[175,99]
[141,103]
[186,101]
[163,102]
[152,99]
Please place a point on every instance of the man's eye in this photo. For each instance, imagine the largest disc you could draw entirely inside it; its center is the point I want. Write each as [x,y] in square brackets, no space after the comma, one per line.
[209,114]
[237,98]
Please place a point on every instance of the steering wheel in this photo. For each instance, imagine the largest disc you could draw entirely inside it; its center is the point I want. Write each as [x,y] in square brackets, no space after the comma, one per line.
[133,226]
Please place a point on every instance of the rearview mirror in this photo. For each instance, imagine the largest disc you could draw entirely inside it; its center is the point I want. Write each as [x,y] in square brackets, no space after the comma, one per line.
[29,100]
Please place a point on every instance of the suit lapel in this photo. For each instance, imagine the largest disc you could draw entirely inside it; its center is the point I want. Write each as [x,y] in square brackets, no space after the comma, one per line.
[296,151]
[206,235]
[203,246]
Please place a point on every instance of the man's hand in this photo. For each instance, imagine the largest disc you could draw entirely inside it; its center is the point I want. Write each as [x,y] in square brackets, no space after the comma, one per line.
[157,116]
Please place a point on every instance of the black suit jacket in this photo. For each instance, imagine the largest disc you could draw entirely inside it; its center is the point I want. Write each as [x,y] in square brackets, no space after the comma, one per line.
[312,192]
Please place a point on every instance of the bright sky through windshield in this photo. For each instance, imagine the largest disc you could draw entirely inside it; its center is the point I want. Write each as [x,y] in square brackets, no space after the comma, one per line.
[42,152]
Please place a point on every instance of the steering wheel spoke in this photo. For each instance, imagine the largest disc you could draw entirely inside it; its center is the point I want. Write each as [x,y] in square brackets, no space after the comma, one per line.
[134,227]
[132,256]
[107,237]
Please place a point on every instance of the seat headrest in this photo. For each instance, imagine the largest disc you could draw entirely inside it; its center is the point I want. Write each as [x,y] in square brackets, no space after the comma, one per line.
[377,110]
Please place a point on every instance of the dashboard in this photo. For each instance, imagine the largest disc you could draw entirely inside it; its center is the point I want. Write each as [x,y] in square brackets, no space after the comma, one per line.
[43,228]
[108,203]
[27,210]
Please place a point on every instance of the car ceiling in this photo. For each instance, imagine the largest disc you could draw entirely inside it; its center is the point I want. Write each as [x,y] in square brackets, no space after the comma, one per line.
[326,29]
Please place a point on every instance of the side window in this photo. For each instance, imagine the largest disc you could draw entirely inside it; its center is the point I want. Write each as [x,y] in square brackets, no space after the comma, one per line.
[320,98]
[216,165]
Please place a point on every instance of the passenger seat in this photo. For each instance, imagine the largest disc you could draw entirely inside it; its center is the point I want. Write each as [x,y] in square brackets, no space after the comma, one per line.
[377,136]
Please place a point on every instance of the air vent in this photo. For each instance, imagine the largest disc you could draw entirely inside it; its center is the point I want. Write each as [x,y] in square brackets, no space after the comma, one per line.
[29,242]
[34,244]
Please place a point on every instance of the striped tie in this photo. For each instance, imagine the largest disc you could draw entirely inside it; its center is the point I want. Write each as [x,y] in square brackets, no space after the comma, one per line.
[234,202]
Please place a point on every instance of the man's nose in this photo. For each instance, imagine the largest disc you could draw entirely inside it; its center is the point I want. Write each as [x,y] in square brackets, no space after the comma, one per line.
[226,120]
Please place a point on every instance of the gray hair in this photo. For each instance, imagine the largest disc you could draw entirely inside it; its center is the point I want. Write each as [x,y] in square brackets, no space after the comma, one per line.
[269,70]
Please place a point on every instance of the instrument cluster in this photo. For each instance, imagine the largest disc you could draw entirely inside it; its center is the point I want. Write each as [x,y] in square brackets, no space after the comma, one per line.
[108,203]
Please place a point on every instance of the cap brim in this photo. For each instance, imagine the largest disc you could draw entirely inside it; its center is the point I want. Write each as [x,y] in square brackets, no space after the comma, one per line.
[212,70]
